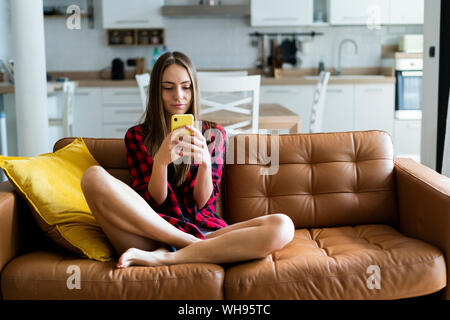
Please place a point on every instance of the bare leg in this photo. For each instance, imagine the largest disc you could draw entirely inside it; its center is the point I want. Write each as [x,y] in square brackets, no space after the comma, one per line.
[252,239]
[125,217]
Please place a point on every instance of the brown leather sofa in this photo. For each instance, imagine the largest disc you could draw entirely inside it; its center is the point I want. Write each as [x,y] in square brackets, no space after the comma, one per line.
[367,227]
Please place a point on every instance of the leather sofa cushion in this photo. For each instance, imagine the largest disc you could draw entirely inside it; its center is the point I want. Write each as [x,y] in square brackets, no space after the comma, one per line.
[332,263]
[42,275]
[323,180]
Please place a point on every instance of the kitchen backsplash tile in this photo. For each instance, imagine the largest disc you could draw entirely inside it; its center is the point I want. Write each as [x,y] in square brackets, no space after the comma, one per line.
[211,42]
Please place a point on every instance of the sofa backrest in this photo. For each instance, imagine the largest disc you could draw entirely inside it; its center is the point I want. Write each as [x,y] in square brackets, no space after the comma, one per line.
[324,179]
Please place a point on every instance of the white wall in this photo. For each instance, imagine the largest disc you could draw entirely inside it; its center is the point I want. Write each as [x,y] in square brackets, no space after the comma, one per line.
[211,42]
[430,83]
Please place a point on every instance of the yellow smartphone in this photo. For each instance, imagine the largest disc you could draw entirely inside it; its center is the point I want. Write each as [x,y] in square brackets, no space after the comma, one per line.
[181,120]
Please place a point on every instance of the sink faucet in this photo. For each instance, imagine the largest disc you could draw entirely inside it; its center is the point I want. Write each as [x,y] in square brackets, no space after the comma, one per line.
[341,44]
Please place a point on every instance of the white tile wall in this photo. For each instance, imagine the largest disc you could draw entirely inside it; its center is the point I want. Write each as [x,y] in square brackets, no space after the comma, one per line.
[211,42]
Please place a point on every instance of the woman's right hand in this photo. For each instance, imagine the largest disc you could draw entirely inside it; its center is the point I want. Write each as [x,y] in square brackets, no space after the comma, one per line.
[169,151]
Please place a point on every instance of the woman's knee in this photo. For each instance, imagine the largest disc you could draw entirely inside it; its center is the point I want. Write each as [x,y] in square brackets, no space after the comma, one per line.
[282,230]
[93,180]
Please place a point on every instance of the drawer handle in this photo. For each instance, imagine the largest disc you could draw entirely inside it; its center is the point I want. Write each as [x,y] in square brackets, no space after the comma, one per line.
[120,129]
[82,94]
[125,93]
[131,21]
[354,18]
[373,90]
[335,90]
[280,19]
[127,111]
[280,91]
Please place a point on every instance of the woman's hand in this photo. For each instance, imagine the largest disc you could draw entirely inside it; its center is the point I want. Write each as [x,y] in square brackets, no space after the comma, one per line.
[196,148]
[169,150]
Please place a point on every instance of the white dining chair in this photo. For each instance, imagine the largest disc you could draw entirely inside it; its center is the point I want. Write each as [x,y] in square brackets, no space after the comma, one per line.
[317,110]
[222,73]
[233,94]
[143,81]
[66,119]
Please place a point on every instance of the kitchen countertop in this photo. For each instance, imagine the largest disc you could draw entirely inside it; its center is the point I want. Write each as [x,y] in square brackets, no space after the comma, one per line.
[289,77]
[52,87]
[288,80]
[312,80]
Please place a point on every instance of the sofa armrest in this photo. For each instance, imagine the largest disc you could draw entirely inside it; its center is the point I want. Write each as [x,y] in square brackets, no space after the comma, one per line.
[424,206]
[9,224]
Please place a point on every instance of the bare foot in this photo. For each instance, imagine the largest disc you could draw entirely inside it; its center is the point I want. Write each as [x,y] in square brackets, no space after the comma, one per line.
[137,257]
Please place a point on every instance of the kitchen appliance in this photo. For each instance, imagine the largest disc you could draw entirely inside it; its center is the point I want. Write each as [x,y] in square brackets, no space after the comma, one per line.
[411,43]
[140,65]
[408,93]
[117,69]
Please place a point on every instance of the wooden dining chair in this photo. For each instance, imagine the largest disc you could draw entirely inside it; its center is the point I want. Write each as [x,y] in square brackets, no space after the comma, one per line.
[317,110]
[143,81]
[234,100]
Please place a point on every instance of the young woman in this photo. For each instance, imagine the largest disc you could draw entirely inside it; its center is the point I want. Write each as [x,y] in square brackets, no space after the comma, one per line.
[168,216]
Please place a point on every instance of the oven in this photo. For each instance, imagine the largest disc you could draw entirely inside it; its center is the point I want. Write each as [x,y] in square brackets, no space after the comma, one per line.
[408,93]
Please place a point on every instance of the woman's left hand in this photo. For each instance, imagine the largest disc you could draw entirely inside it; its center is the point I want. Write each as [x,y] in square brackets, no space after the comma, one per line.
[196,147]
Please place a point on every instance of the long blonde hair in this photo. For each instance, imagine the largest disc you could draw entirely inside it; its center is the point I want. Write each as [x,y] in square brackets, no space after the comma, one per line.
[155,118]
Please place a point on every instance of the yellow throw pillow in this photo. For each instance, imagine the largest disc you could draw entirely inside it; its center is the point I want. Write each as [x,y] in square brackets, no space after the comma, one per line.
[51,184]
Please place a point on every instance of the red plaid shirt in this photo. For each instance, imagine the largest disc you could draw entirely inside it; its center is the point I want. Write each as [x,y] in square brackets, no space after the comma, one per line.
[140,164]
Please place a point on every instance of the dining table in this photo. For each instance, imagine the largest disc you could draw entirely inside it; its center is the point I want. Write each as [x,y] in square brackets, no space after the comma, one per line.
[272,116]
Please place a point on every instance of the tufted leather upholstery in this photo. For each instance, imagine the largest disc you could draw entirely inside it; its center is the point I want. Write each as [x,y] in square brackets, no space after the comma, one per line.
[348,200]
[331,179]
[43,275]
[333,263]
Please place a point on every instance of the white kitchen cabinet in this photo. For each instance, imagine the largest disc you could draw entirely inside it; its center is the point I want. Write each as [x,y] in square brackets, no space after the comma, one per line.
[406,12]
[281,12]
[297,98]
[374,107]
[347,106]
[121,114]
[338,114]
[106,112]
[360,12]
[122,109]
[87,113]
[131,14]
[407,135]
[121,95]
[116,130]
